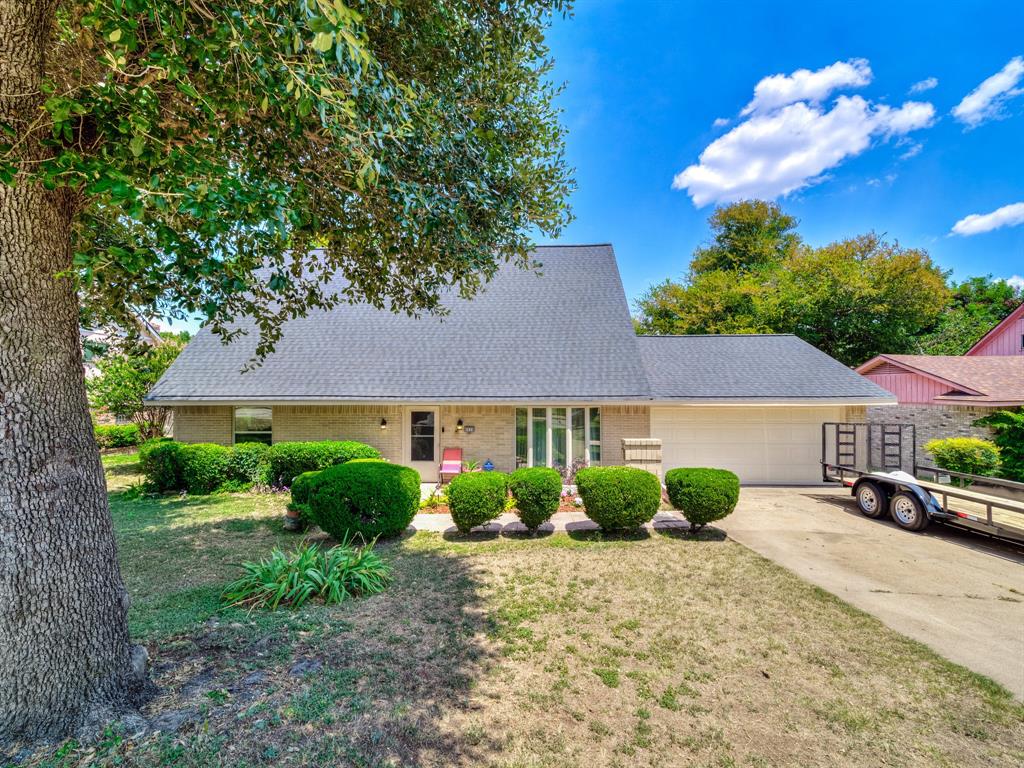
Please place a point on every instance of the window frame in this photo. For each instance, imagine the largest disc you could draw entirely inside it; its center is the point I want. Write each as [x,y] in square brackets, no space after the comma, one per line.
[588,442]
[235,432]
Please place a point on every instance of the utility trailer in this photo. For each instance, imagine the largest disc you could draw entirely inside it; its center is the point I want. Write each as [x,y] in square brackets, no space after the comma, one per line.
[873,460]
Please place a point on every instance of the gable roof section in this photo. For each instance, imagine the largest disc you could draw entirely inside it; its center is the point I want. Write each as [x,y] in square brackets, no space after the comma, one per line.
[562,334]
[996,330]
[766,368]
[981,380]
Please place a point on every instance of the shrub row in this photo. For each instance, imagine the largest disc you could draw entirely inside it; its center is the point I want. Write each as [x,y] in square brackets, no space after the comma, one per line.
[205,467]
[373,498]
[117,435]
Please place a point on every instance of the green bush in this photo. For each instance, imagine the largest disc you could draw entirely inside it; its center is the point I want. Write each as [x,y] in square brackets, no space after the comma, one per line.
[250,463]
[369,498]
[333,575]
[702,495]
[618,498]
[475,498]
[117,435]
[204,466]
[536,491]
[289,460]
[970,455]
[161,464]
[302,487]
[1008,427]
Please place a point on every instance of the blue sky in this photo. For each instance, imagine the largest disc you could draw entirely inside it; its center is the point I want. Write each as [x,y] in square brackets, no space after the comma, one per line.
[857,150]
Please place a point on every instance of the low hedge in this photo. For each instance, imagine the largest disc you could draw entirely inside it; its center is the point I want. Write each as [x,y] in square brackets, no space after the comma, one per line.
[369,498]
[117,435]
[204,466]
[289,460]
[475,498]
[536,492]
[161,464]
[241,465]
[702,495]
[618,498]
[250,463]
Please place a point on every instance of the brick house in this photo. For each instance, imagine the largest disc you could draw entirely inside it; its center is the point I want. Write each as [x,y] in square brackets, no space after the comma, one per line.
[943,395]
[540,368]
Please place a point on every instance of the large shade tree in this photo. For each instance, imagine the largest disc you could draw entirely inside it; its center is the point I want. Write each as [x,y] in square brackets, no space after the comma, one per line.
[224,157]
[853,299]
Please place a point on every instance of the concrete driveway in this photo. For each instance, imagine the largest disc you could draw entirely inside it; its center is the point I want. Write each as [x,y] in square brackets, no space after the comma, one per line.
[959,593]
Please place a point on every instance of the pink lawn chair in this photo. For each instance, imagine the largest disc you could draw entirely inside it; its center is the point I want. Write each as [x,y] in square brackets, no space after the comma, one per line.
[451,464]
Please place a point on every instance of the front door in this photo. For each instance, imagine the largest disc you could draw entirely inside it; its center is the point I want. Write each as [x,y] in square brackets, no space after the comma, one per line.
[421,442]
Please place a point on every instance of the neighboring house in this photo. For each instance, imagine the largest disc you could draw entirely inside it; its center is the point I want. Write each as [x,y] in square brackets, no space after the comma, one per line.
[943,395]
[540,368]
[1006,338]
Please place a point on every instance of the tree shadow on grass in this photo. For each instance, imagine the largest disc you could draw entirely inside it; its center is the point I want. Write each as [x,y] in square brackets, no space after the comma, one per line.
[373,681]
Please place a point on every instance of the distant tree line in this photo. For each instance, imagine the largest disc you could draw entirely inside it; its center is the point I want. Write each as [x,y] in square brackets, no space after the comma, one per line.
[853,298]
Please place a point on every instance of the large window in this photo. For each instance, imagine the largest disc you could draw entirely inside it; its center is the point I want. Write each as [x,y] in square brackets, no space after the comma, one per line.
[556,437]
[254,425]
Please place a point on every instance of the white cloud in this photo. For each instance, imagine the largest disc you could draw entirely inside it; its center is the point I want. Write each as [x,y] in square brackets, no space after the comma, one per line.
[912,151]
[924,85]
[1016,282]
[721,122]
[986,101]
[774,154]
[977,223]
[804,85]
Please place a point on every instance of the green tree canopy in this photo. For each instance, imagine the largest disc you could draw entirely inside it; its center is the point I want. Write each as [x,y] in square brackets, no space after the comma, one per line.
[853,299]
[747,235]
[977,305]
[126,377]
[229,157]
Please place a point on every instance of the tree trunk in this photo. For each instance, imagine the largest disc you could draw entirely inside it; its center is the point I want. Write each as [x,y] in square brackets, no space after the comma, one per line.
[66,661]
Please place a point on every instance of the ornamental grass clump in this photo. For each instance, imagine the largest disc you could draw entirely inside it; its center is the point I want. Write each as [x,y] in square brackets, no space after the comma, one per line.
[475,498]
[292,580]
[536,492]
[702,495]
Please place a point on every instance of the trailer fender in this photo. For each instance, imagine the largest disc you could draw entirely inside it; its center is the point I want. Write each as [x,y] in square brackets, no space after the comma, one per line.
[892,485]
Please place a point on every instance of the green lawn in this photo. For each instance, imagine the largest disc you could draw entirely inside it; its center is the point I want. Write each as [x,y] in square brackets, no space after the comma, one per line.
[557,651]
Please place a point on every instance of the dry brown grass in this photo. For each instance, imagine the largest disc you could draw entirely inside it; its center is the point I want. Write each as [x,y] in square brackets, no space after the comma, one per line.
[556,651]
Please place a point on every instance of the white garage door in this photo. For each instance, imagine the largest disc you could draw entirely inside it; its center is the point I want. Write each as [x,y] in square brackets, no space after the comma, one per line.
[773,445]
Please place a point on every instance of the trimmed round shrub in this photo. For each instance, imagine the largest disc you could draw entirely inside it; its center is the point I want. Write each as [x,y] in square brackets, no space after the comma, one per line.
[702,495]
[536,492]
[475,498]
[619,498]
[250,463]
[161,464]
[117,435]
[289,460]
[204,466]
[369,498]
[970,455]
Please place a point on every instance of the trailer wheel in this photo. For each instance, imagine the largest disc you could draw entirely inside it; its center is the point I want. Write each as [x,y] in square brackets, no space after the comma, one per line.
[871,499]
[907,512]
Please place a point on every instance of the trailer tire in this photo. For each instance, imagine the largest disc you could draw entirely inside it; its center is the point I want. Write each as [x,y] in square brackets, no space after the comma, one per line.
[908,512]
[871,499]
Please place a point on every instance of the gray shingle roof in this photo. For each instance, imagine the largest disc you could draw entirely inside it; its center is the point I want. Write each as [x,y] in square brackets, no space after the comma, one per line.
[562,335]
[748,367]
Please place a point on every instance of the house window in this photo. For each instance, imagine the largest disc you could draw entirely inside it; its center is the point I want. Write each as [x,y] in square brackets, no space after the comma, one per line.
[254,425]
[556,437]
